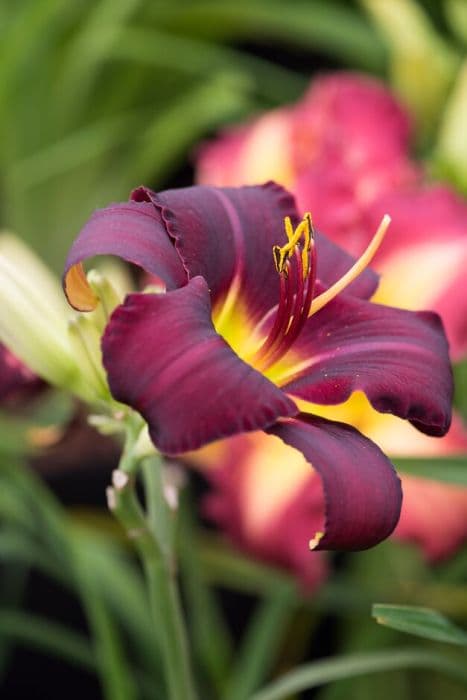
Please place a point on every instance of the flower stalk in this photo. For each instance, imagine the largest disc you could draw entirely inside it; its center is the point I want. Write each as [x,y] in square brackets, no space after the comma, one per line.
[152,534]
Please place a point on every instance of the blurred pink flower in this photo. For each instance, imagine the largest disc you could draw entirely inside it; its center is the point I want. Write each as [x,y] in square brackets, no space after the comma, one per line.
[435,517]
[344,151]
[17,382]
[265,497]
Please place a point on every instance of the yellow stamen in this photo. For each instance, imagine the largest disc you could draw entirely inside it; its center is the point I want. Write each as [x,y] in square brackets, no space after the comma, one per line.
[354,271]
[289,232]
[308,234]
[282,253]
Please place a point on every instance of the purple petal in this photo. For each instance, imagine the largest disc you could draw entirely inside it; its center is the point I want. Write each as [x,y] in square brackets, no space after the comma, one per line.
[362,491]
[134,232]
[398,358]
[228,234]
[164,358]
[224,233]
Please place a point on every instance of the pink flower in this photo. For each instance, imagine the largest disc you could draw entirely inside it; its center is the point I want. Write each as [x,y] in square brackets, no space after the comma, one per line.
[337,149]
[344,152]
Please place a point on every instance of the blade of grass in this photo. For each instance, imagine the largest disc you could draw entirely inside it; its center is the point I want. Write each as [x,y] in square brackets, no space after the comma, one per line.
[332,28]
[451,470]
[259,649]
[194,56]
[329,670]
[423,622]
[227,567]
[17,547]
[166,140]
[49,637]
[124,591]
[30,26]
[212,641]
[73,150]
[116,678]
[12,589]
[88,50]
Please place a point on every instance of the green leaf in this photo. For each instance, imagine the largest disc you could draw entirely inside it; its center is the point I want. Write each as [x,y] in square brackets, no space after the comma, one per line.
[423,622]
[166,140]
[422,63]
[78,147]
[226,567]
[85,52]
[460,384]
[16,547]
[195,57]
[115,675]
[13,585]
[451,470]
[456,15]
[211,639]
[329,27]
[350,665]
[262,642]
[49,637]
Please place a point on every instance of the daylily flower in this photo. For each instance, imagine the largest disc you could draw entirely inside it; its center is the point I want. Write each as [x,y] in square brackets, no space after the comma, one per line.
[256,318]
[344,151]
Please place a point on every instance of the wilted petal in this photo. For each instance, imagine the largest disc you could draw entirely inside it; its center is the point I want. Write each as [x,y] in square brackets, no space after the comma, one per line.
[361,489]
[164,358]
[399,359]
[132,231]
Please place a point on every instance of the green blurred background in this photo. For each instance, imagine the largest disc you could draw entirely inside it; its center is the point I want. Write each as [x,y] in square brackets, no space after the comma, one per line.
[97,97]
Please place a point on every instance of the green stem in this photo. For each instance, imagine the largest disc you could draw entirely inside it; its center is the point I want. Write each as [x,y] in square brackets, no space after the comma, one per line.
[153,541]
[161,575]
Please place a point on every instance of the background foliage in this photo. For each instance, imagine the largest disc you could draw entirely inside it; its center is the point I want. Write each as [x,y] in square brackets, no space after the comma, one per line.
[95,98]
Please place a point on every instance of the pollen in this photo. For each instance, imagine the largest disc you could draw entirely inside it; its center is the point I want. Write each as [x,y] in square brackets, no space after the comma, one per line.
[302,235]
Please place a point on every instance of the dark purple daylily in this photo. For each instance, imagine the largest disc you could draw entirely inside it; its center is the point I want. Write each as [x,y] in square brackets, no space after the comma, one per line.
[240,336]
